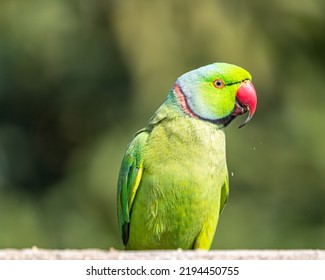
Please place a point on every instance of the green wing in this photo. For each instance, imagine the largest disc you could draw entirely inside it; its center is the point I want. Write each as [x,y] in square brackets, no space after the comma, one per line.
[224,193]
[129,181]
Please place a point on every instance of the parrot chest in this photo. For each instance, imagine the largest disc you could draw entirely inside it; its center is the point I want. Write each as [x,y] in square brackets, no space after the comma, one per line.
[184,171]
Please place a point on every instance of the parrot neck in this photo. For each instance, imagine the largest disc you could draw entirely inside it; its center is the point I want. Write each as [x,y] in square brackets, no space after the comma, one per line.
[175,106]
[182,102]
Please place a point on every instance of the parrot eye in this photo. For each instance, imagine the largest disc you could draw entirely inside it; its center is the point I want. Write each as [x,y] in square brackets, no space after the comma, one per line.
[218,83]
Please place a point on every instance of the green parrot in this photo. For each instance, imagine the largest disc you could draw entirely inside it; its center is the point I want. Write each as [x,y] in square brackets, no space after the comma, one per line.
[173,182]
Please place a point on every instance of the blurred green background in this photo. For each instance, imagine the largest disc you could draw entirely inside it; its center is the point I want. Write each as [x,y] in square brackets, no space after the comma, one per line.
[78,78]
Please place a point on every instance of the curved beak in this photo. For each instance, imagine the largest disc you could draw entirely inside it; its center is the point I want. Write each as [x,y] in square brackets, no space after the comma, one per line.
[246,100]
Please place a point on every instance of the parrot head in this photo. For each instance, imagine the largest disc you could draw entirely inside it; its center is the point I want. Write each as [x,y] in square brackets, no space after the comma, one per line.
[216,93]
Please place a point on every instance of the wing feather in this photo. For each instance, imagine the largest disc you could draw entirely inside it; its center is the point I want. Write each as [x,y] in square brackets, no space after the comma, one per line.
[224,193]
[129,180]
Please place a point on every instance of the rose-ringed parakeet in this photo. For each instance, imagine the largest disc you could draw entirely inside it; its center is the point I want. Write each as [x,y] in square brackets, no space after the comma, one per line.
[173,182]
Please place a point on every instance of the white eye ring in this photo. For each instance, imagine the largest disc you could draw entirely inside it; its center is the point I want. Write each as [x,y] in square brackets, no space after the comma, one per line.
[218,83]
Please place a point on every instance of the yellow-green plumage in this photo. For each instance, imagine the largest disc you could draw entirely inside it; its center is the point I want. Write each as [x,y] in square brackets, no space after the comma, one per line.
[173,182]
[173,207]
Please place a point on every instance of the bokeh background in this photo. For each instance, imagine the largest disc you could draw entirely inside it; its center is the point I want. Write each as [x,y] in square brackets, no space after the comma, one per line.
[78,78]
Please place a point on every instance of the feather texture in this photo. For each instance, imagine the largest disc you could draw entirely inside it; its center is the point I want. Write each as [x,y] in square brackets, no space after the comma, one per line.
[173,182]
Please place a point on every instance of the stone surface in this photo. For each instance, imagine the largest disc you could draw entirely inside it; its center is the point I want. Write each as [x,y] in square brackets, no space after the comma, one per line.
[95,254]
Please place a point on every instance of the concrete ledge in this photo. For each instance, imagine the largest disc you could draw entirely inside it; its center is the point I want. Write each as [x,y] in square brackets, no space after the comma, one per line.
[95,254]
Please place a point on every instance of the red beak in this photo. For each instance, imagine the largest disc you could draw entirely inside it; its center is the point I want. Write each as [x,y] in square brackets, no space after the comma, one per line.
[246,100]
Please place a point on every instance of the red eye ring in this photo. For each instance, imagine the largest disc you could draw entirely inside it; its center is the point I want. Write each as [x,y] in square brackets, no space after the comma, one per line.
[218,83]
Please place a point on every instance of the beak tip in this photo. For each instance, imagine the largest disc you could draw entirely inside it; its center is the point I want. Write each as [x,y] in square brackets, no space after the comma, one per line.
[246,95]
[246,121]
